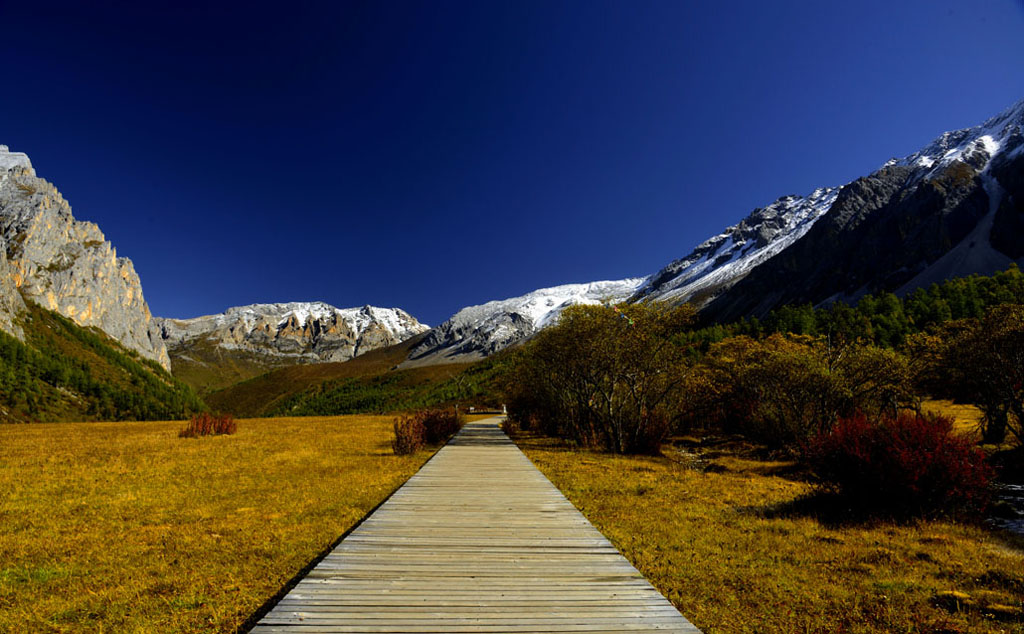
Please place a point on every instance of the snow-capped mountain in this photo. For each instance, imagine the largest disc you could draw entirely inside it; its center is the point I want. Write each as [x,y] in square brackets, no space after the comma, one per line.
[306,331]
[477,331]
[723,260]
[973,146]
[954,208]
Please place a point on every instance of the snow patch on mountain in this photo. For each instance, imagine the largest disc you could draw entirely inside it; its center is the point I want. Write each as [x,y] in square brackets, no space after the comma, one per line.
[478,331]
[973,146]
[729,256]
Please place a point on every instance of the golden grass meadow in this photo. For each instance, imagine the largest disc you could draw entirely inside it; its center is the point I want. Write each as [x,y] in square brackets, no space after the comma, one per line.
[729,545]
[124,527]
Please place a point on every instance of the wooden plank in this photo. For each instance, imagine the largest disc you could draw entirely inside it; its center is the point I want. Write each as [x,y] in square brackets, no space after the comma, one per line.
[477,541]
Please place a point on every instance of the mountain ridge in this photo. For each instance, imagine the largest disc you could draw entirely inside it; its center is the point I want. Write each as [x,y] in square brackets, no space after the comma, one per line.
[244,341]
[894,229]
[955,188]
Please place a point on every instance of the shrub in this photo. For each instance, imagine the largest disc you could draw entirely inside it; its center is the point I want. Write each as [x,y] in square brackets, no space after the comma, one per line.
[910,464]
[409,435]
[209,425]
[510,426]
[427,427]
[439,424]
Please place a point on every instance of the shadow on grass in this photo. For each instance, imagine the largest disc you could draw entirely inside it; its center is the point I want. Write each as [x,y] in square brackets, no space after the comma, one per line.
[826,507]
[834,511]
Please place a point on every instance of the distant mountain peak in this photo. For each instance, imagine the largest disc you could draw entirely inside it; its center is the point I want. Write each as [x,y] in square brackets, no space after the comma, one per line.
[309,331]
[974,146]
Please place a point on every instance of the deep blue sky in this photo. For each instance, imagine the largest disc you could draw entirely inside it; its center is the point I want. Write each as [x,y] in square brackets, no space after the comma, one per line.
[435,155]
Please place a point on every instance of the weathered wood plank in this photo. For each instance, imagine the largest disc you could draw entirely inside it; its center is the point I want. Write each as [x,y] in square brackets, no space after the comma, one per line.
[477,541]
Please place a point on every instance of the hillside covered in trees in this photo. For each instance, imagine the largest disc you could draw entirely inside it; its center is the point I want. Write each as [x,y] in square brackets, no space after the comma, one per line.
[63,372]
[884,319]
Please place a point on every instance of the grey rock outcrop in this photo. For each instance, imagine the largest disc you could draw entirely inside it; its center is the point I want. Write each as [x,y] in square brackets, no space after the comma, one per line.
[310,332]
[67,265]
[11,303]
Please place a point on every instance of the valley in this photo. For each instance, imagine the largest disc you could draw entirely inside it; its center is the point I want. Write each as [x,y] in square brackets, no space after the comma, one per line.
[813,420]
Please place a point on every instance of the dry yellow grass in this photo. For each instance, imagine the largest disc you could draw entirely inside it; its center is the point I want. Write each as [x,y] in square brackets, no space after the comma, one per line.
[966,417]
[124,527]
[722,547]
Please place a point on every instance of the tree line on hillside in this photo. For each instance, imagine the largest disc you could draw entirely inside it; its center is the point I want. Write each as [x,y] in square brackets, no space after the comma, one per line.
[394,391]
[883,319]
[63,371]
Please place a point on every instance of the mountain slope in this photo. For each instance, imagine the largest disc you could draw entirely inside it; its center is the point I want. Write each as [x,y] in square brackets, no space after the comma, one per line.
[214,351]
[954,208]
[60,371]
[65,264]
[478,331]
[718,263]
[369,382]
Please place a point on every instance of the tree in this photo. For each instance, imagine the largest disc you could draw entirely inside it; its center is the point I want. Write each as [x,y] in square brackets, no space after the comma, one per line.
[606,376]
[982,361]
[784,389]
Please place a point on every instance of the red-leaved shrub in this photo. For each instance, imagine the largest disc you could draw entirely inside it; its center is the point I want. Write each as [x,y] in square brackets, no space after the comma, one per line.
[911,464]
[409,435]
[439,424]
[209,425]
[427,427]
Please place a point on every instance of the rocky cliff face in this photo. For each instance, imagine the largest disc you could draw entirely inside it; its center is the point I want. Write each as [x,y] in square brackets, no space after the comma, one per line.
[67,265]
[310,332]
[11,303]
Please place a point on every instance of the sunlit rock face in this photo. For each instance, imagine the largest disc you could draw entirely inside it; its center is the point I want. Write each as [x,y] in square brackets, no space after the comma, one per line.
[67,265]
[309,332]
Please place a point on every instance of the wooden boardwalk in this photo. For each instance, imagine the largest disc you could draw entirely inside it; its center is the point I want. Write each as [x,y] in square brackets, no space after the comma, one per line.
[477,541]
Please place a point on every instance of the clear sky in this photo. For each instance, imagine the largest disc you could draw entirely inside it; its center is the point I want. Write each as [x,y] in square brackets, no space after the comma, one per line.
[432,155]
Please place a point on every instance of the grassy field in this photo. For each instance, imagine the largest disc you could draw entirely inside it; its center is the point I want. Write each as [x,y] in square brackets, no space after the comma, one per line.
[734,541]
[124,527]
